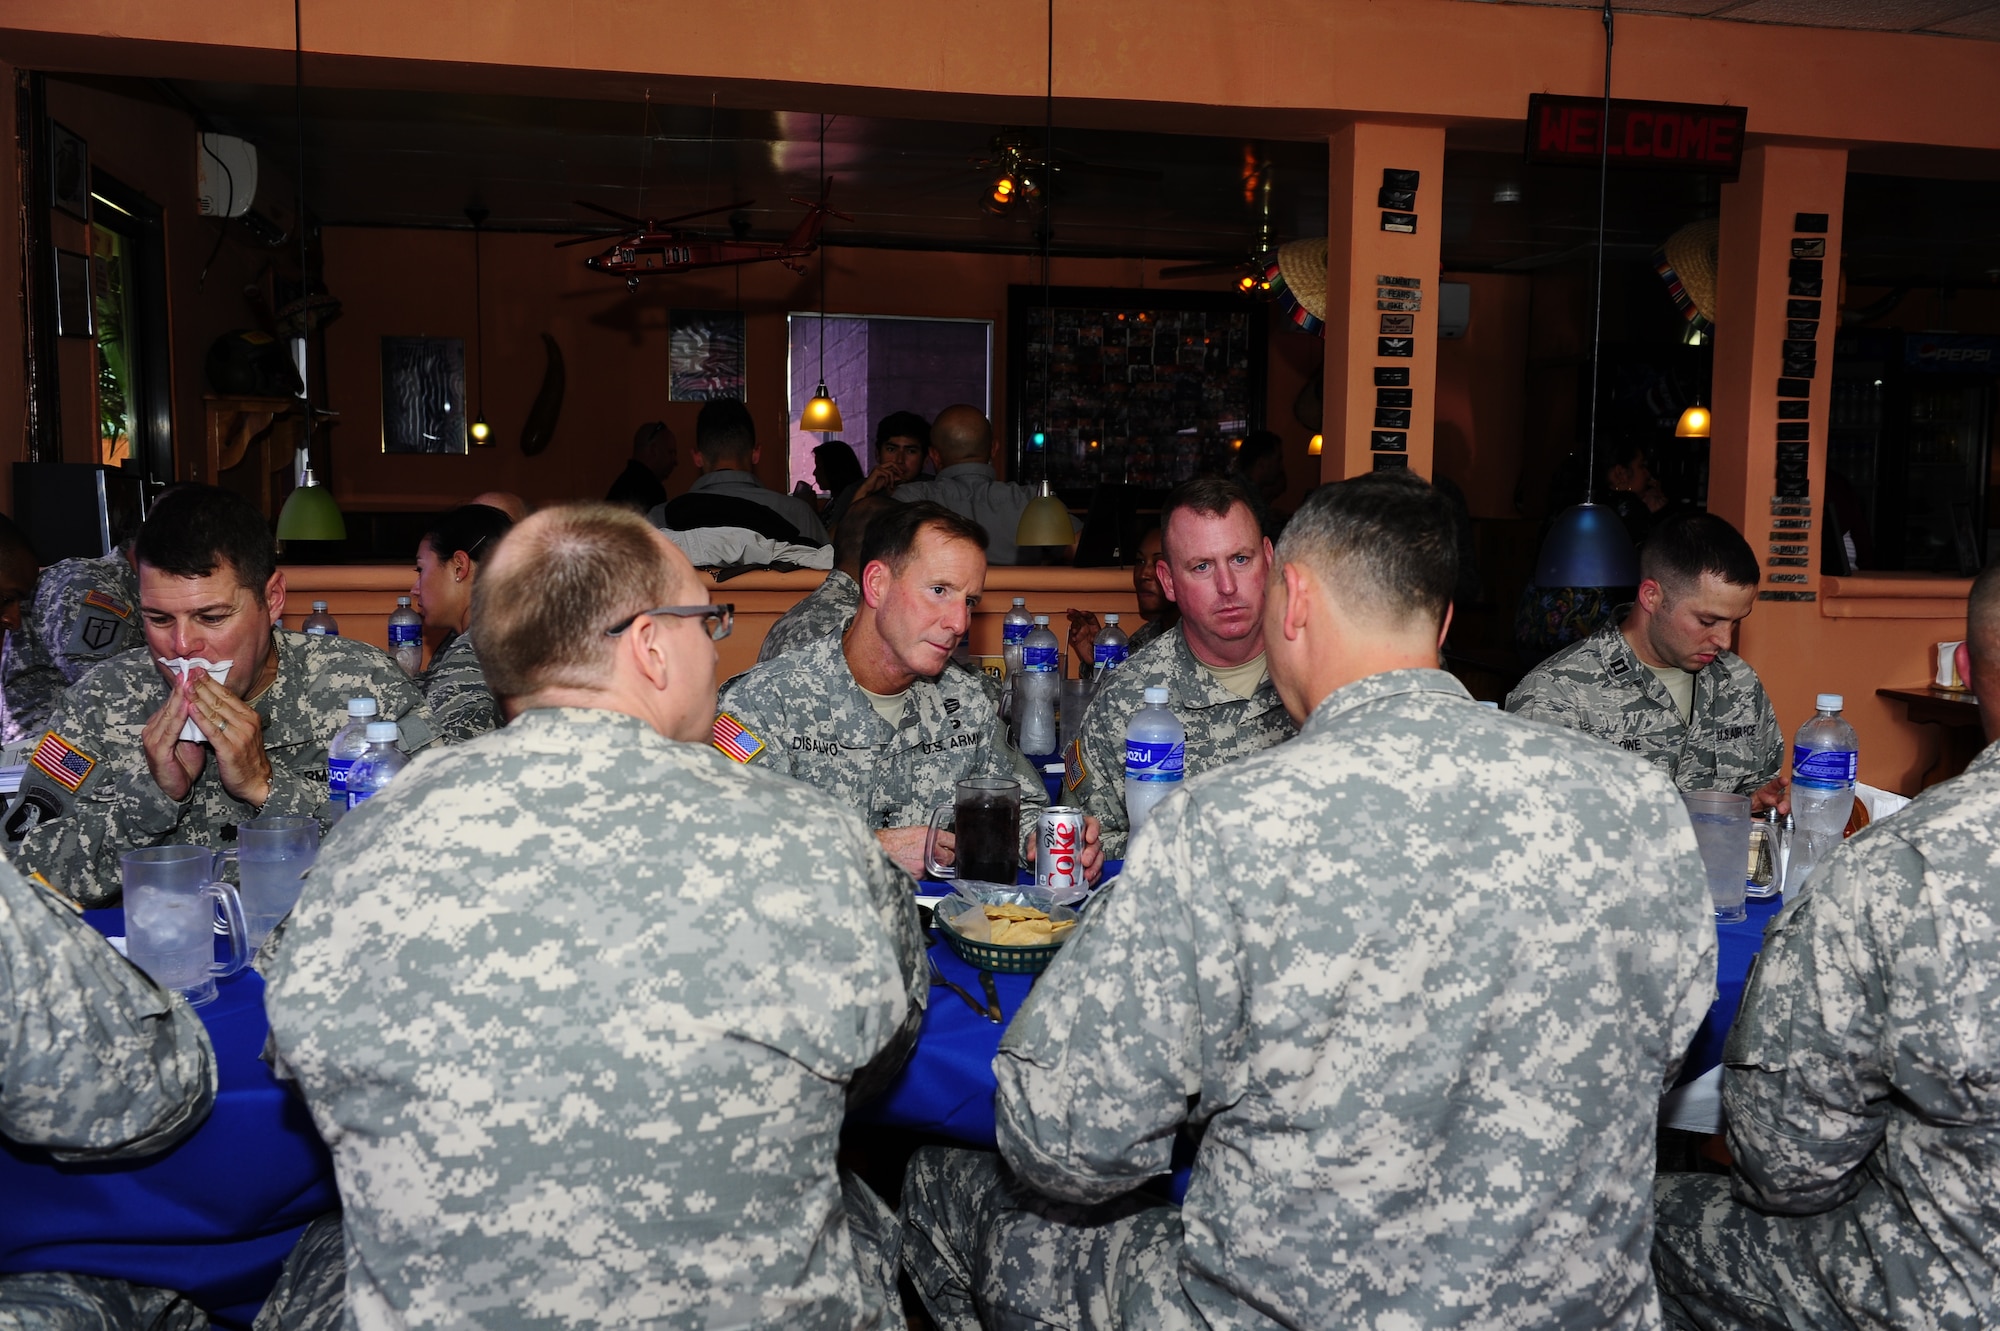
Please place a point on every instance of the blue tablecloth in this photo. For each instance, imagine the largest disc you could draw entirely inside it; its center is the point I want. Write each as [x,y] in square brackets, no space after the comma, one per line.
[1737,946]
[215,1216]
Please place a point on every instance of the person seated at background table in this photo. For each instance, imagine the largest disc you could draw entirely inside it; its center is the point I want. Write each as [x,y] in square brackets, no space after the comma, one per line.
[97,1063]
[902,446]
[873,717]
[1663,682]
[837,472]
[962,445]
[506,501]
[1861,1081]
[1156,613]
[449,556]
[1429,1100]
[825,610]
[635,987]
[27,693]
[1213,564]
[727,493]
[114,772]
[642,486]
[83,611]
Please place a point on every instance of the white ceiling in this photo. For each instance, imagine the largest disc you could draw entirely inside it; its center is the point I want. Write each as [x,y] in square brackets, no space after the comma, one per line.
[1946,18]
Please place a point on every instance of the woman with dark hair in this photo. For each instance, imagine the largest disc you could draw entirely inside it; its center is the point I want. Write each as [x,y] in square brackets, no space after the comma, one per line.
[837,473]
[448,559]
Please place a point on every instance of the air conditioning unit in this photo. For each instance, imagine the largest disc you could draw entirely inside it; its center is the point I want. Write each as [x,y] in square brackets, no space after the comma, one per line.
[1454,308]
[225,175]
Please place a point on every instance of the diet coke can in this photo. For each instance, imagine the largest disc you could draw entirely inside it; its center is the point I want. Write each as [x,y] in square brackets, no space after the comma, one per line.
[1059,853]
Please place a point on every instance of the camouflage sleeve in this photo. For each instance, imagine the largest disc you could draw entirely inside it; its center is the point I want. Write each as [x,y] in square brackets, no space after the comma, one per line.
[1807,1086]
[1543,697]
[461,707]
[1095,1072]
[1770,744]
[888,897]
[1004,760]
[33,685]
[761,714]
[117,807]
[1100,793]
[96,1061]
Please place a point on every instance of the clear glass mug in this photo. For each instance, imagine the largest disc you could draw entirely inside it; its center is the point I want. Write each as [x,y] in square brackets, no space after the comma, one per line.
[172,894]
[1722,831]
[272,856]
[984,841]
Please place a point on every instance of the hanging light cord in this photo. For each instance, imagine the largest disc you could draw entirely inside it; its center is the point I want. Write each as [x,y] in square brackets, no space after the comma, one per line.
[305,282]
[1597,316]
[822,254]
[1048,236]
[479,313]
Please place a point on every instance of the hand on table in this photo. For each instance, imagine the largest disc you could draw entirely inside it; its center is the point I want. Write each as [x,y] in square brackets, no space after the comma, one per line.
[1775,794]
[905,845]
[236,733]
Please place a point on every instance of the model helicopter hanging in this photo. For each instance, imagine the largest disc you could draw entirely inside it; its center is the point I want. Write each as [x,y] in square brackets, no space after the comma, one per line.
[657,248]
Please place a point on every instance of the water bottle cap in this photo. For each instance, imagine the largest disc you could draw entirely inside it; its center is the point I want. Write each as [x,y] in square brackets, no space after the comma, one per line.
[361,707]
[319,607]
[1041,621]
[1157,695]
[1020,602]
[402,603]
[382,732]
[1829,702]
[1111,619]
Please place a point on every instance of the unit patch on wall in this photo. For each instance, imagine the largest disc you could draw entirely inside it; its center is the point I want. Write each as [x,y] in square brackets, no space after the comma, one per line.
[1398,199]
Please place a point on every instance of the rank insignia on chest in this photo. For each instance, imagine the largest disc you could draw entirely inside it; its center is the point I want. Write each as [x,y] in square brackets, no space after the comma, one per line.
[62,762]
[734,741]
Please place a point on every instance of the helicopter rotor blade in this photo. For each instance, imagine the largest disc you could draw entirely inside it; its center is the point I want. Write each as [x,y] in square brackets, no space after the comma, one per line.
[609,212]
[594,238]
[705,212]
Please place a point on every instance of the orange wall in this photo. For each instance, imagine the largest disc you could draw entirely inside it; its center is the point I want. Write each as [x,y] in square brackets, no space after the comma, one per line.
[614,346]
[1482,394]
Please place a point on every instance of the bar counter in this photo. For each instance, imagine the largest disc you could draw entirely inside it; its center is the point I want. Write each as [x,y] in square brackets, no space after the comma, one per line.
[361,597]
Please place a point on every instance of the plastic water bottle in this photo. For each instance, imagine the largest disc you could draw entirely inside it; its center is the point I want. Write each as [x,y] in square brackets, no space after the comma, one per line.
[406,637]
[1824,762]
[378,764]
[1040,687]
[345,746]
[1107,651]
[319,623]
[1014,631]
[1155,751]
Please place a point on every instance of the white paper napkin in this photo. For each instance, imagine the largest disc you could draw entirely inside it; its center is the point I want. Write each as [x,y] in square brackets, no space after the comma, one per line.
[217,671]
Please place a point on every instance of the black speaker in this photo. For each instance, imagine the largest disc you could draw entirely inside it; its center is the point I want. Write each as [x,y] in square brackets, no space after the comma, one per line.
[77,510]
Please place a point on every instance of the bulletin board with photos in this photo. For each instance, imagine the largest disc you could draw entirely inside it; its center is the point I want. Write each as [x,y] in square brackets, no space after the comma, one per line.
[1143,387]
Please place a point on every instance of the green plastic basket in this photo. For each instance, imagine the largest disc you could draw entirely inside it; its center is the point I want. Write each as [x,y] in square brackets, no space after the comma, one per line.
[1000,958]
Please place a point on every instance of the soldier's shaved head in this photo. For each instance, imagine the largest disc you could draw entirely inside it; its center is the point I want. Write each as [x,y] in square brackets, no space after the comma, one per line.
[543,601]
[962,434]
[1383,544]
[1979,657]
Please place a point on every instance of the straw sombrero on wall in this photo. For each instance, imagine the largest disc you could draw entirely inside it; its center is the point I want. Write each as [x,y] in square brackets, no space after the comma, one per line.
[1686,263]
[1296,273]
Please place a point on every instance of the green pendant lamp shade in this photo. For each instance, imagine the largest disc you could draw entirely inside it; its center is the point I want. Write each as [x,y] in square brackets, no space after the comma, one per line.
[1044,521]
[309,513]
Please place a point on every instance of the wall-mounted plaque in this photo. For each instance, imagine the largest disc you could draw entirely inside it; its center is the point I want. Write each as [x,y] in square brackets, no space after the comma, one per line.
[1413,283]
[1809,222]
[1794,430]
[1395,198]
[1794,388]
[1388,377]
[1391,461]
[1403,222]
[1807,328]
[1802,309]
[1394,177]
[423,395]
[1808,249]
[1388,441]
[1403,324]
[1392,418]
[1805,286]
[1394,397]
[1794,409]
[1395,346]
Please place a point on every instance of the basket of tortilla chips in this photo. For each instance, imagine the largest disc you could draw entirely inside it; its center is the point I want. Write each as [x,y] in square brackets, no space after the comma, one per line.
[1016,931]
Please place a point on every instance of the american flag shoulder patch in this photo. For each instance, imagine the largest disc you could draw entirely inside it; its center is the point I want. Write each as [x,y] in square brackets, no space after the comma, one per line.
[62,762]
[734,740]
[103,602]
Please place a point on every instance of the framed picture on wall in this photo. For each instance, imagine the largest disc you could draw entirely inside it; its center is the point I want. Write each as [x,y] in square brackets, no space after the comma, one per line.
[705,356]
[1132,387]
[423,395]
[73,303]
[69,172]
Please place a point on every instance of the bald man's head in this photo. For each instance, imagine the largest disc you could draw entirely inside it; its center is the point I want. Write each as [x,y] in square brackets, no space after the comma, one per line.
[542,603]
[506,501]
[962,434]
[1982,620]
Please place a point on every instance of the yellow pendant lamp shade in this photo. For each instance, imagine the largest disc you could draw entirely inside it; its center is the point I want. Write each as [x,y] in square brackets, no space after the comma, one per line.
[822,414]
[1044,521]
[1313,448]
[1693,424]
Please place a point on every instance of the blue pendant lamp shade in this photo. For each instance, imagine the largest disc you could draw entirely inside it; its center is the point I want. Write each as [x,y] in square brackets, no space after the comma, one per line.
[1587,547]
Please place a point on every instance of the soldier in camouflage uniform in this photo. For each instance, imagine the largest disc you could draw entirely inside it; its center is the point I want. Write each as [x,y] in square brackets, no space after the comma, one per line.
[449,556]
[579,1009]
[821,615]
[1428,1098]
[97,1063]
[86,611]
[1216,561]
[113,773]
[1861,1082]
[1663,683]
[810,715]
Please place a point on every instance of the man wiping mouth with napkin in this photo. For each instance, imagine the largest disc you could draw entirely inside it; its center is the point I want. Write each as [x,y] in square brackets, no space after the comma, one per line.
[220,717]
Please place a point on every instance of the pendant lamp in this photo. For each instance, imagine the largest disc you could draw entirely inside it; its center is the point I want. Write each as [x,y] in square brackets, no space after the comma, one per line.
[1045,521]
[309,512]
[822,413]
[1693,423]
[1588,546]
